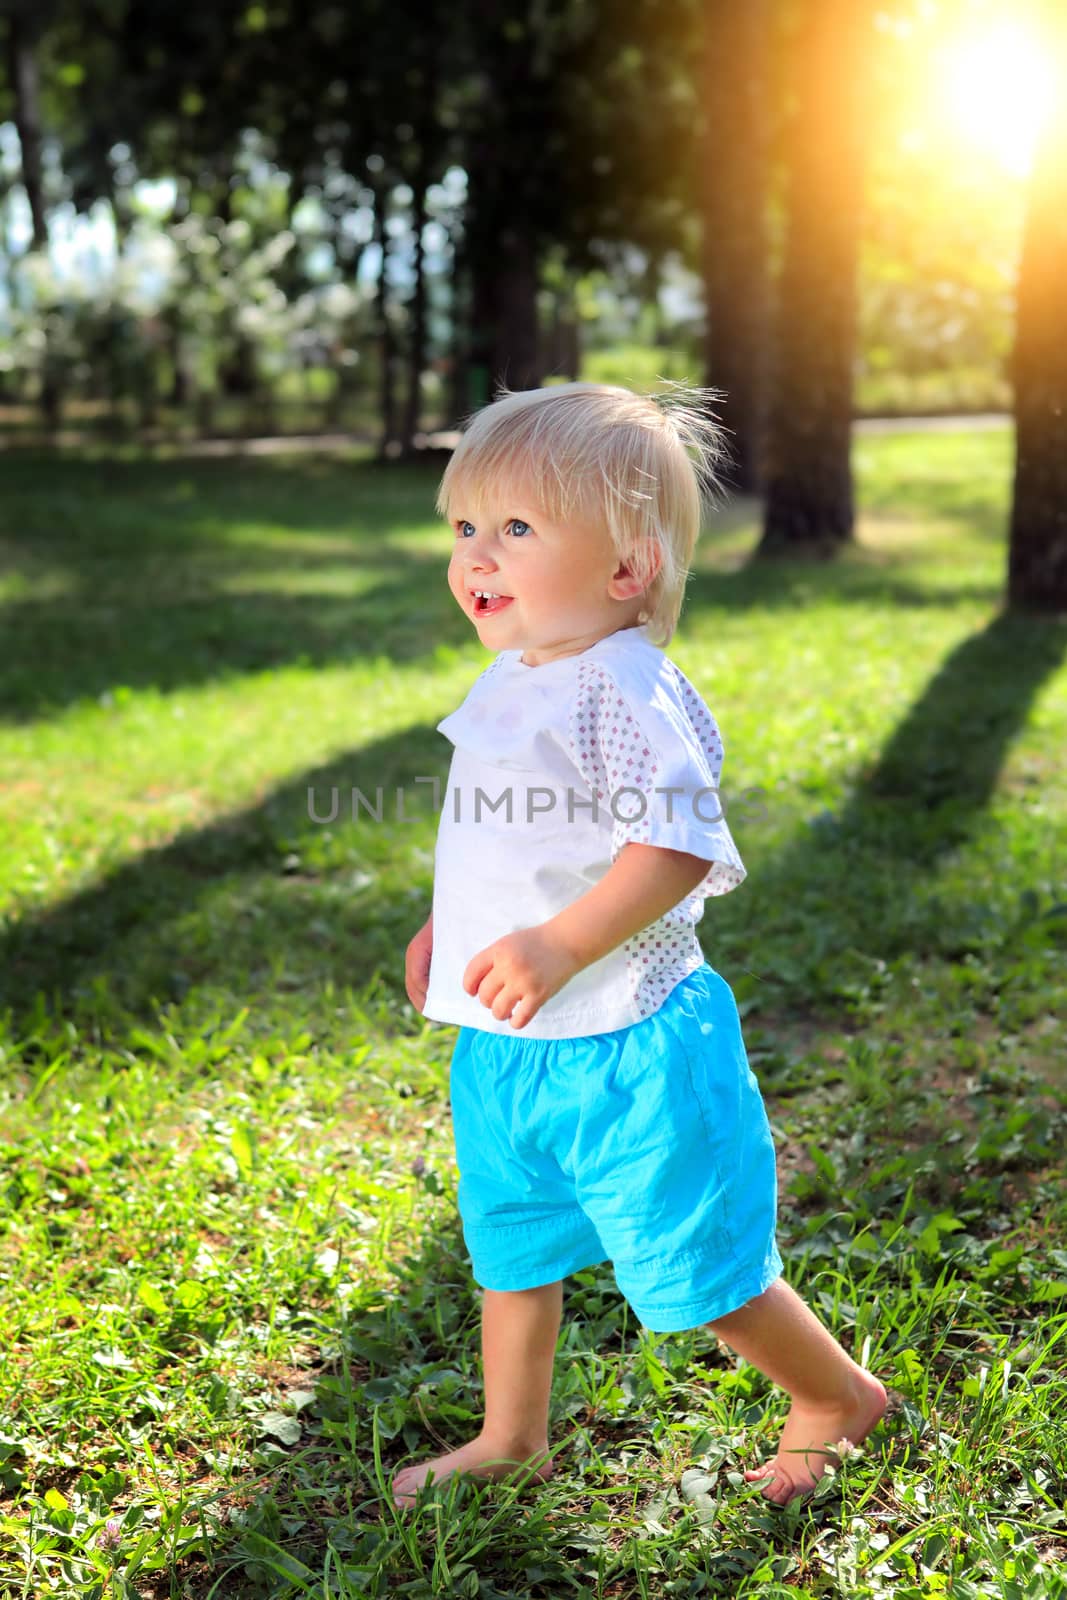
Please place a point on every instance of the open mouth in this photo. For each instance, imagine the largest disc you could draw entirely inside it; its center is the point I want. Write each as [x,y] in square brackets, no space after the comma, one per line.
[485,605]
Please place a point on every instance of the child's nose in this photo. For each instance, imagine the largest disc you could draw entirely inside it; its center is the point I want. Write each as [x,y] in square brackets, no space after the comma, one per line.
[482,559]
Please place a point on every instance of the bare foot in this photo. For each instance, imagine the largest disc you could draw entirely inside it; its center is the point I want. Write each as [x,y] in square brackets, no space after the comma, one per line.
[802,1456]
[481,1459]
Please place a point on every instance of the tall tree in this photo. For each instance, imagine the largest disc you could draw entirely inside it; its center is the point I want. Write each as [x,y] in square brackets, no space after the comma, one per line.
[733,181]
[580,116]
[511,151]
[809,474]
[425,95]
[1037,563]
[386,337]
[25,24]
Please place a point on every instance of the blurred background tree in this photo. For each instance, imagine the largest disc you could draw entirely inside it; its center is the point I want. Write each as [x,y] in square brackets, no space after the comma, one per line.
[1038,551]
[263,217]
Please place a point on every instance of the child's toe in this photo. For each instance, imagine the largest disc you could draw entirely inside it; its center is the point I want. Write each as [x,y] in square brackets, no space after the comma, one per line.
[759,1474]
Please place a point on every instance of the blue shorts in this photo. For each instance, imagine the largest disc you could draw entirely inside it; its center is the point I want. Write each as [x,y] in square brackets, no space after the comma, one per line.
[648,1146]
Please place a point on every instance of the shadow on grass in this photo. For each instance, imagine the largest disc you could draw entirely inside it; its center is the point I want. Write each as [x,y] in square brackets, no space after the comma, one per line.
[945,756]
[57,655]
[850,880]
[150,585]
[859,888]
[264,898]
[278,902]
[150,574]
[921,797]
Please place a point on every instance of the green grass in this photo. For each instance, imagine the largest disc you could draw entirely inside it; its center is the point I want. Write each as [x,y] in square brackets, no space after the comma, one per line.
[234,1294]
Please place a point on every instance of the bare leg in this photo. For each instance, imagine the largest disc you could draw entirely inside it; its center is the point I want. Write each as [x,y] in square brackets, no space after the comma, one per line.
[833,1397]
[519,1334]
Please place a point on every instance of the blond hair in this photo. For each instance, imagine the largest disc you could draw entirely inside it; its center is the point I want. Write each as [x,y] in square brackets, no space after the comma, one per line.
[643,466]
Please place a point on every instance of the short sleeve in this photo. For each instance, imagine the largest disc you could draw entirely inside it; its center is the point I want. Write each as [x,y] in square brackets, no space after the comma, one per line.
[654,762]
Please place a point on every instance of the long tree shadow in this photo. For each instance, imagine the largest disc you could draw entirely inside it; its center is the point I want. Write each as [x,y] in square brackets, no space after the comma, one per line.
[171,634]
[197,574]
[946,755]
[57,655]
[864,882]
[789,585]
[933,779]
[238,902]
[200,570]
[58,652]
[194,911]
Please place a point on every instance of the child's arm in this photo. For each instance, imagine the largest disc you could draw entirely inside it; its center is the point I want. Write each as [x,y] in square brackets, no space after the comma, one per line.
[525,969]
[642,884]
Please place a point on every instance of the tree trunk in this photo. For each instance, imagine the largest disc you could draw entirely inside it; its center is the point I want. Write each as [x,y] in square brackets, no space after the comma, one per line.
[9,385]
[504,246]
[348,256]
[417,346]
[516,355]
[809,475]
[426,97]
[1037,561]
[23,34]
[735,240]
[22,37]
[386,447]
[481,272]
[179,380]
[459,309]
[504,327]
[561,356]
[181,386]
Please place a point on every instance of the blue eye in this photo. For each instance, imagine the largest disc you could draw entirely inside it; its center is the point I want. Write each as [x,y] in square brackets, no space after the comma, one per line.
[515,522]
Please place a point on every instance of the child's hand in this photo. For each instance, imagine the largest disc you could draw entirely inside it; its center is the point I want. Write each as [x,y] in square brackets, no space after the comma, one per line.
[417,964]
[516,975]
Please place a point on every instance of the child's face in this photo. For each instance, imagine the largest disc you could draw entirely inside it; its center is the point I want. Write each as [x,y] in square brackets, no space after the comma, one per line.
[562,587]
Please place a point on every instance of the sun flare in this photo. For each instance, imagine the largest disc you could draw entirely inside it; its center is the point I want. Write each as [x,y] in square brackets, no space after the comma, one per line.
[998,86]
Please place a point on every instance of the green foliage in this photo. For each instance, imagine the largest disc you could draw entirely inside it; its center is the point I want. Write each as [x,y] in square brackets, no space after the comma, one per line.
[235,1295]
[271,127]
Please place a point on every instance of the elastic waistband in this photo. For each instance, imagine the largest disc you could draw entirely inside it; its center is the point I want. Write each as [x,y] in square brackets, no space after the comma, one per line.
[702,981]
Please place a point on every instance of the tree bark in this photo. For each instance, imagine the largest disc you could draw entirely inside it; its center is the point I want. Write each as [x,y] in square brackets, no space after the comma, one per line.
[461,320]
[516,353]
[424,133]
[348,254]
[9,385]
[174,322]
[504,334]
[809,506]
[561,354]
[733,187]
[504,175]
[417,345]
[1037,560]
[23,33]
[386,341]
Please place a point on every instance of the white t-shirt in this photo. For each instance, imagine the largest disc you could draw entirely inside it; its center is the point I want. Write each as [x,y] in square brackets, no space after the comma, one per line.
[616,727]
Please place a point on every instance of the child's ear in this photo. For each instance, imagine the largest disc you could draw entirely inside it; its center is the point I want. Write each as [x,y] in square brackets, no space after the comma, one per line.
[625,583]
